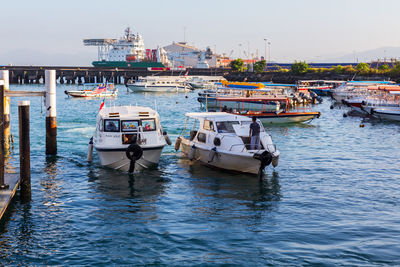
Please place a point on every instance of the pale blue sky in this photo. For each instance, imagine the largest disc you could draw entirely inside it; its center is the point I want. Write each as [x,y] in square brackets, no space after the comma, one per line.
[298,30]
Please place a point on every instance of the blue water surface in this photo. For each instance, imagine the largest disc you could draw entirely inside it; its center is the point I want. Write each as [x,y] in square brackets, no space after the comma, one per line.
[333,200]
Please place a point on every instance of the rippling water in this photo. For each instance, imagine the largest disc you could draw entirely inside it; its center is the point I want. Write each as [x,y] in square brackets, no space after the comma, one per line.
[333,200]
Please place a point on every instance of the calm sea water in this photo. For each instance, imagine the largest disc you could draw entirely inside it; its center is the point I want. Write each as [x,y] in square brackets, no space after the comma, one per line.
[333,200]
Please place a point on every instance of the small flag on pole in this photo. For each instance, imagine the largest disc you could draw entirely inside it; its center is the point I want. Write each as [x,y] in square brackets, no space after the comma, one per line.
[186,74]
[102,104]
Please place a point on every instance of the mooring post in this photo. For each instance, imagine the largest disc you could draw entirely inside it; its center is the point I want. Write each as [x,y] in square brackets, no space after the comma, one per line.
[4,75]
[2,148]
[24,151]
[51,113]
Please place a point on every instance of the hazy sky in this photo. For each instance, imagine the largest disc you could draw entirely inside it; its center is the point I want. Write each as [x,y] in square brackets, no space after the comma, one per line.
[297,29]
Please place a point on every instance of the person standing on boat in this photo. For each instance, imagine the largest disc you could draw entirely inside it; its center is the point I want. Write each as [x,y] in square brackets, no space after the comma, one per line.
[254,134]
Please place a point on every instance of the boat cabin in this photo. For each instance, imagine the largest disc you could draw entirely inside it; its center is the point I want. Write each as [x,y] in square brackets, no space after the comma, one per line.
[227,131]
[121,125]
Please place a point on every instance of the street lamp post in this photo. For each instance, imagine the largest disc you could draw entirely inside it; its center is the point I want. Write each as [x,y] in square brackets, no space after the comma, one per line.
[269,51]
[265,49]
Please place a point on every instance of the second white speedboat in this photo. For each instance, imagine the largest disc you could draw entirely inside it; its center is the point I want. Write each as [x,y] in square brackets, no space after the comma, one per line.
[221,140]
[129,138]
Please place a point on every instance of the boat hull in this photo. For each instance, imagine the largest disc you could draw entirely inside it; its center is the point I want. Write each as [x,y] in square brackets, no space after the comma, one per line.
[135,88]
[116,158]
[227,161]
[89,94]
[287,117]
[386,114]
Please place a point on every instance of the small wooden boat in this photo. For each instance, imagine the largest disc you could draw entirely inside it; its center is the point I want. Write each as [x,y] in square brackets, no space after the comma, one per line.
[94,90]
[282,114]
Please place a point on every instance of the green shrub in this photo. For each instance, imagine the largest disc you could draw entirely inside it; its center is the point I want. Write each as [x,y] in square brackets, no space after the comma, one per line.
[237,65]
[259,66]
[363,68]
[300,67]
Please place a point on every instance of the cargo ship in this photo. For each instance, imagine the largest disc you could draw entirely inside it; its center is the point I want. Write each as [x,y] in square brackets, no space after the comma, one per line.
[127,52]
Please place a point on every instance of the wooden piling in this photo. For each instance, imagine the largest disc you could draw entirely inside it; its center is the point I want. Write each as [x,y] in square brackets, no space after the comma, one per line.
[4,75]
[2,148]
[51,114]
[24,151]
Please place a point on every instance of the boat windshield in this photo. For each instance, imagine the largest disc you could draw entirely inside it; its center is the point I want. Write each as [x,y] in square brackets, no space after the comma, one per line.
[226,126]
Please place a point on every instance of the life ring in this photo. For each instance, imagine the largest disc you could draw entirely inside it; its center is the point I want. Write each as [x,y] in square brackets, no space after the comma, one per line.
[111,86]
[306,84]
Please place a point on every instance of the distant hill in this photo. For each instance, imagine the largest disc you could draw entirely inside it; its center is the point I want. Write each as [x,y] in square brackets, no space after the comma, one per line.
[366,56]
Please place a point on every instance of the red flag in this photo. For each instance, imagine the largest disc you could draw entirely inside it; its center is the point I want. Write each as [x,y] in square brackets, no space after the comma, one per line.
[102,104]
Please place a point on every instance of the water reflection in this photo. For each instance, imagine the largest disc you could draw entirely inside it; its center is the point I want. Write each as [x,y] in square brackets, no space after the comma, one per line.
[148,183]
[222,191]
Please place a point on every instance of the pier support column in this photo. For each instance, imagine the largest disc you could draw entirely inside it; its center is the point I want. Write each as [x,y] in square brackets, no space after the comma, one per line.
[4,75]
[2,169]
[24,151]
[51,113]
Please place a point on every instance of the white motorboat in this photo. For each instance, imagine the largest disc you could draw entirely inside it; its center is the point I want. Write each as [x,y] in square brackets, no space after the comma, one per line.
[221,140]
[94,90]
[205,82]
[159,84]
[129,138]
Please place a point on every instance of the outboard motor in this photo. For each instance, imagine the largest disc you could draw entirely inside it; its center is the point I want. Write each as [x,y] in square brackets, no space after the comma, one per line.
[134,152]
[265,158]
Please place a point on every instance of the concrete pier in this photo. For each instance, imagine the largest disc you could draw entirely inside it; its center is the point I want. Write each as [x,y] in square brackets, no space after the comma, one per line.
[70,75]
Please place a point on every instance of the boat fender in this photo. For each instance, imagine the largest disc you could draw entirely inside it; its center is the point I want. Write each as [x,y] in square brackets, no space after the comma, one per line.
[167,139]
[372,111]
[134,152]
[212,154]
[177,143]
[66,92]
[275,161]
[90,150]
[363,103]
[318,115]
[217,141]
[265,158]
[192,152]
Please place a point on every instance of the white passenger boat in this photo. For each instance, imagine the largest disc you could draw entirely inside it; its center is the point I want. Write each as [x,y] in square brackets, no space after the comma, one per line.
[159,84]
[94,90]
[221,140]
[205,82]
[129,138]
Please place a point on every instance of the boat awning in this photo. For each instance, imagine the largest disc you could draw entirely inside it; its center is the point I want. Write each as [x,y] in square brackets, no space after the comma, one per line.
[251,99]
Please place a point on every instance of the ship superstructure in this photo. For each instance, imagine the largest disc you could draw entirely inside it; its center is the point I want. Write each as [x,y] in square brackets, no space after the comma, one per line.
[128,51]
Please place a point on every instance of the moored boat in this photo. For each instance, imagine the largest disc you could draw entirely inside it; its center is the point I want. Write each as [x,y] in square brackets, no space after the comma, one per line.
[159,84]
[129,138]
[94,90]
[221,140]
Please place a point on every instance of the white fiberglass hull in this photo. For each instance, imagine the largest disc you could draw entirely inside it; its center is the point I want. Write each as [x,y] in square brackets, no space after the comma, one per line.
[90,94]
[386,114]
[286,119]
[243,162]
[147,88]
[116,158]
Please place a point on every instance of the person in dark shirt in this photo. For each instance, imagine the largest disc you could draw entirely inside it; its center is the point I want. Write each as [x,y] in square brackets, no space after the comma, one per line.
[254,134]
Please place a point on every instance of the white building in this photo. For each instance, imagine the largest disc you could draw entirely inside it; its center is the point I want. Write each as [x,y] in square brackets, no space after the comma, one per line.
[182,54]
